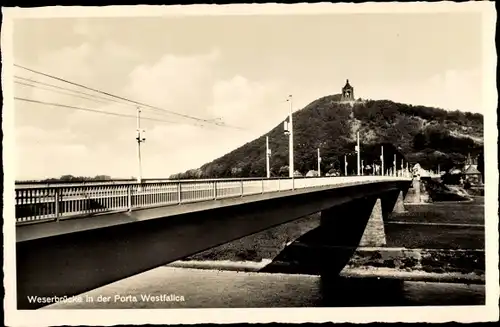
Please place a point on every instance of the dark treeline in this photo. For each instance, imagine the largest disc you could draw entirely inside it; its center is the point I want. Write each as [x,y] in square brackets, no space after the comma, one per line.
[429,136]
[71,178]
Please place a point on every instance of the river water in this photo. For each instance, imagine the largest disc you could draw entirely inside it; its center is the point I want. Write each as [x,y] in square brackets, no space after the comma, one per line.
[168,287]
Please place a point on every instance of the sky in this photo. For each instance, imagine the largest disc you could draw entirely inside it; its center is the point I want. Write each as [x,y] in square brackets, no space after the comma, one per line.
[238,69]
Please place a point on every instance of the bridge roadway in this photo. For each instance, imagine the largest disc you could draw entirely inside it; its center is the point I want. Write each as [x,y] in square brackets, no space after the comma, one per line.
[72,256]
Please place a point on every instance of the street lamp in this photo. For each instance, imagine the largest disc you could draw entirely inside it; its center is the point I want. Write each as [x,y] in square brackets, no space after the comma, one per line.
[289,132]
[358,152]
[382,160]
[140,139]
[268,156]
[345,165]
[394,165]
[319,164]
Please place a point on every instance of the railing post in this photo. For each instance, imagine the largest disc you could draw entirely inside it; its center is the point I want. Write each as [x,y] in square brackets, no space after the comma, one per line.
[179,193]
[56,201]
[241,187]
[279,184]
[129,197]
[215,190]
[262,186]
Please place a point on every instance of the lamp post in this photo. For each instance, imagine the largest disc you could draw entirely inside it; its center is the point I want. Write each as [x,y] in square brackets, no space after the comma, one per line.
[140,140]
[382,160]
[319,163]
[394,166]
[345,165]
[268,155]
[291,169]
[358,152]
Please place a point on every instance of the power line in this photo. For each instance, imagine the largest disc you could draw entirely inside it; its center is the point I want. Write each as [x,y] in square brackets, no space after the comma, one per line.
[71,90]
[122,98]
[60,92]
[87,96]
[91,110]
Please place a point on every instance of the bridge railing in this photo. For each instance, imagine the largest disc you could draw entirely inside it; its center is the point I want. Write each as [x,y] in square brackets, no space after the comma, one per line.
[58,202]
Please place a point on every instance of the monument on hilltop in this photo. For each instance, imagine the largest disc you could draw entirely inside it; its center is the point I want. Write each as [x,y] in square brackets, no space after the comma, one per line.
[347,92]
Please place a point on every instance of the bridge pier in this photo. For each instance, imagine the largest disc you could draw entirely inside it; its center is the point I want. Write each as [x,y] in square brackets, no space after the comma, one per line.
[328,248]
[343,229]
[413,195]
[399,207]
[374,234]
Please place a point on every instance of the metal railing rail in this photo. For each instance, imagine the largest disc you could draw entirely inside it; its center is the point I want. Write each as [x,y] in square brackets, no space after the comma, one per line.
[41,203]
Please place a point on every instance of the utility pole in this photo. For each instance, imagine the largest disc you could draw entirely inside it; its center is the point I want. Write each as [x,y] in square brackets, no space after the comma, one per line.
[394,166]
[382,159]
[268,155]
[140,140]
[358,150]
[345,165]
[319,163]
[290,144]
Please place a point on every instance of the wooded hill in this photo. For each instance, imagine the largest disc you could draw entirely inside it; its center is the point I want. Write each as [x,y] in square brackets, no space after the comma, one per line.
[429,136]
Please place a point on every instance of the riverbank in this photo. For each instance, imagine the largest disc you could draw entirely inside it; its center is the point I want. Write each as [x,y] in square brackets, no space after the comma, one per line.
[350,271]
[438,241]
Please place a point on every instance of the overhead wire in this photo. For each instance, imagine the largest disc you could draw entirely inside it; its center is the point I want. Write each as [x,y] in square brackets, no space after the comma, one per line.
[91,110]
[209,121]
[60,92]
[71,90]
[86,96]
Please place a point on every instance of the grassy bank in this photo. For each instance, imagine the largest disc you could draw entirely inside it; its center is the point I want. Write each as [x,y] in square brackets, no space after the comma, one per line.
[431,261]
[443,213]
[434,237]
[438,226]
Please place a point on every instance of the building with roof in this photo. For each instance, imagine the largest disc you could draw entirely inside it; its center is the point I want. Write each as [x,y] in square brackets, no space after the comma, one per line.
[470,172]
[472,175]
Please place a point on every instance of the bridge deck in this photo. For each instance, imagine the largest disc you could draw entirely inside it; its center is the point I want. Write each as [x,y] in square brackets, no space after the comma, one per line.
[64,226]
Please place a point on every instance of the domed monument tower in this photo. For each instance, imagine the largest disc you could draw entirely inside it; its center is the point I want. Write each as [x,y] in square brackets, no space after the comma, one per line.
[347,92]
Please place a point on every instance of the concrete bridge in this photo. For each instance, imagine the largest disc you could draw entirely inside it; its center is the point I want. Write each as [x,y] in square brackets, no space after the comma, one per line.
[71,239]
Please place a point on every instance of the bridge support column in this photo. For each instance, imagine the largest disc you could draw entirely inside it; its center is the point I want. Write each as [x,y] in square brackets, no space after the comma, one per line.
[327,249]
[413,195]
[374,234]
[399,207]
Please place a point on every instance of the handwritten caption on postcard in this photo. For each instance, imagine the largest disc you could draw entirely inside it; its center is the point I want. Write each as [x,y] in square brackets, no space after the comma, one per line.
[117,298]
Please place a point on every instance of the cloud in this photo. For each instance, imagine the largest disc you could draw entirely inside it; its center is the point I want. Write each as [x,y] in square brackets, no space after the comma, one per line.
[37,136]
[248,104]
[452,89]
[175,83]
[458,89]
[46,153]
